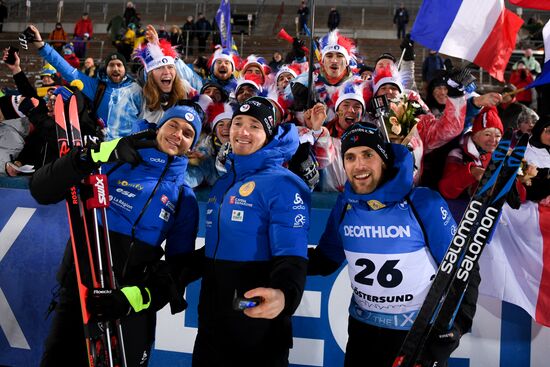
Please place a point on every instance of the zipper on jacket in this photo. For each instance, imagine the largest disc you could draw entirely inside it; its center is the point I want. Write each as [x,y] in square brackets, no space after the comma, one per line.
[220,211]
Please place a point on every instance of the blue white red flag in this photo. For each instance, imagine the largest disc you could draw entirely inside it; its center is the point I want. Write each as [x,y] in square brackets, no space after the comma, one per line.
[515,267]
[483,32]
[532,4]
[223,18]
[544,77]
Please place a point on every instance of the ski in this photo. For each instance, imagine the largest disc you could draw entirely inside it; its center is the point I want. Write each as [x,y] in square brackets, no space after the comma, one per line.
[103,347]
[487,200]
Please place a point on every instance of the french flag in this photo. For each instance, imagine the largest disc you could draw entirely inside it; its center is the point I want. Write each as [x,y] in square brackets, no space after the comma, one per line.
[515,266]
[483,32]
[544,77]
[533,4]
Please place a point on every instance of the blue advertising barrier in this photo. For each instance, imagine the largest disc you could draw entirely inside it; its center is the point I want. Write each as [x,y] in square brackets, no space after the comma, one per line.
[32,240]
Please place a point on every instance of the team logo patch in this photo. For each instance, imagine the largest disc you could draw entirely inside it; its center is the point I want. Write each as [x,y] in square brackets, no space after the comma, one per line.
[189,117]
[245,107]
[164,199]
[164,215]
[299,221]
[237,216]
[375,204]
[247,188]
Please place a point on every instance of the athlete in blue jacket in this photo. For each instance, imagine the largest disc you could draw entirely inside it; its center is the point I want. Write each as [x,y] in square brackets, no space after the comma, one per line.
[393,237]
[257,222]
[149,203]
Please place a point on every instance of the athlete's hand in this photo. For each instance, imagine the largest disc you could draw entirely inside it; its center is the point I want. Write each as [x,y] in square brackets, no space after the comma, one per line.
[273,303]
[107,304]
[124,149]
[440,346]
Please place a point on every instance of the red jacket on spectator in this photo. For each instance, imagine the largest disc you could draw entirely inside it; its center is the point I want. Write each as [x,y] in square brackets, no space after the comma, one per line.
[83,26]
[521,78]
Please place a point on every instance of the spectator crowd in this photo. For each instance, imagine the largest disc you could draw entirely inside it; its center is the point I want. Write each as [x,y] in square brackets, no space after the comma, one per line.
[265,133]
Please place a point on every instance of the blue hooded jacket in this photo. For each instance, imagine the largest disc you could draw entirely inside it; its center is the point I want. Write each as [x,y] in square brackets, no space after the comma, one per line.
[121,103]
[393,238]
[259,209]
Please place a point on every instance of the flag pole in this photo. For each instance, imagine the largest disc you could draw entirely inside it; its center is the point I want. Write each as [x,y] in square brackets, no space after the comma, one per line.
[311,84]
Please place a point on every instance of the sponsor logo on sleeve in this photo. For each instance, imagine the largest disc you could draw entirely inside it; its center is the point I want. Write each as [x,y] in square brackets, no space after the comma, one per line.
[298,202]
[299,221]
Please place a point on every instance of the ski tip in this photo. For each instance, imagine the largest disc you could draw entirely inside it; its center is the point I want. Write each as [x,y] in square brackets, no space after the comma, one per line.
[398,361]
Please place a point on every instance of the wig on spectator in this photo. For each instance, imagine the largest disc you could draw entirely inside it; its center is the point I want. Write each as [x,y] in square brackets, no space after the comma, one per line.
[153,57]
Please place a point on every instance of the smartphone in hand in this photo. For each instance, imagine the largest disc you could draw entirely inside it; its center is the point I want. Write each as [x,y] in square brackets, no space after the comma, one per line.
[11,55]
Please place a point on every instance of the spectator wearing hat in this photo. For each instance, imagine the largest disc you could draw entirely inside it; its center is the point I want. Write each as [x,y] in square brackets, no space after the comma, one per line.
[464,166]
[58,38]
[83,32]
[255,245]
[222,65]
[48,76]
[215,92]
[156,159]
[338,56]
[254,65]
[350,109]
[202,160]
[117,98]
[247,87]
[163,86]
[379,196]
[70,56]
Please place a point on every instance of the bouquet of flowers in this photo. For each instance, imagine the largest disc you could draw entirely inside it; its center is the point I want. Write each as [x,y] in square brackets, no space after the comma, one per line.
[403,112]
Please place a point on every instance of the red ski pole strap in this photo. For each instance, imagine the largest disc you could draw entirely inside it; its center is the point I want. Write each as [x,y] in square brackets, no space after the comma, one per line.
[100,191]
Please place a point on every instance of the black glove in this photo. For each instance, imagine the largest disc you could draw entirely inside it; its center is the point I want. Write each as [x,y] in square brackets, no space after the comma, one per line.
[512,198]
[303,164]
[26,37]
[459,81]
[297,48]
[439,346]
[300,96]
[107,304]
[408,45]
[124,149]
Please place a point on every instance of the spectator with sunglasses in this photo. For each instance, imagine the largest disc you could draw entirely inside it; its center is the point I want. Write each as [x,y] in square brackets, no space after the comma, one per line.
[150,203]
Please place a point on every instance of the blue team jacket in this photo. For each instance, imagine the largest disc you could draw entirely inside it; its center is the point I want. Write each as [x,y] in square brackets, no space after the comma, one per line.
[152,202]
[259,209]
[391,260]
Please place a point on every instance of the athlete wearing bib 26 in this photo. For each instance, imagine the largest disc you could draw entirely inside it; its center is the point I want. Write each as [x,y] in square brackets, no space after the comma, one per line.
[393,237]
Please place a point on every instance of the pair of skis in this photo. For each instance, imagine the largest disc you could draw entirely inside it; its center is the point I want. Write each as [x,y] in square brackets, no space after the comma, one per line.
[91,247]
[474,232]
